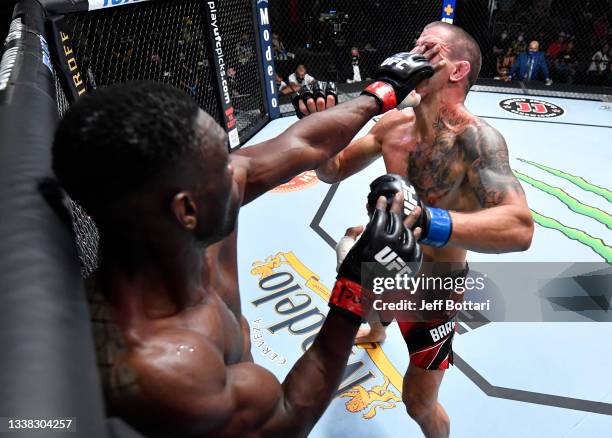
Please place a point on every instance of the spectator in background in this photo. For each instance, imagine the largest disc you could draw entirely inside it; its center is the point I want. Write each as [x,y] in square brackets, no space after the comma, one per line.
[232,82]
[355,75]
[565,64]
[300,77]
[556,47]
[281,86]
[519,45]
[501,44]
[531,65]
[598,69]
[280,53]
[245,49]
[504,64]
[601,28]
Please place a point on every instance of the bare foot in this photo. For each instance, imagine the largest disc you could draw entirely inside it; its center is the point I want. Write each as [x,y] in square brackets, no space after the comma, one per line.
[367,334]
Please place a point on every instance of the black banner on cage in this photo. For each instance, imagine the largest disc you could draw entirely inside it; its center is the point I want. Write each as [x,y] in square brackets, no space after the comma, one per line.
[219,70]
[74,83]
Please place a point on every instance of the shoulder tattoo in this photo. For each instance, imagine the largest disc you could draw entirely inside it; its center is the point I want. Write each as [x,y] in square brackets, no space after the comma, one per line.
[488,165]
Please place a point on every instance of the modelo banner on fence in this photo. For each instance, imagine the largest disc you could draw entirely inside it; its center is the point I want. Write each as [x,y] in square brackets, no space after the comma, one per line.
[265,38]
[218,57]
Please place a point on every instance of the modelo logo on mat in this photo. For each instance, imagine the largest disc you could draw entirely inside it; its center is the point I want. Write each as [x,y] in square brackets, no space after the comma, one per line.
[295,302]
[531,108]
[300,182]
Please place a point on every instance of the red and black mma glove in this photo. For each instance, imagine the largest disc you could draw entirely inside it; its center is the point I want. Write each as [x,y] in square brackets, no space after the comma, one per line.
[396,77]
[436,223]
[386,249]
[314,91]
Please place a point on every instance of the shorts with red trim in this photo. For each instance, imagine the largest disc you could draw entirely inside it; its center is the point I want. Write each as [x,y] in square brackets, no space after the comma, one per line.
[430,340]
[430,343]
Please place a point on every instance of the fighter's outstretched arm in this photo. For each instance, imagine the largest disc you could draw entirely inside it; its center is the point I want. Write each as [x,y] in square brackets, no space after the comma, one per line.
[393,127]
[359,154]
[505,223]
[304,146]
[315,139]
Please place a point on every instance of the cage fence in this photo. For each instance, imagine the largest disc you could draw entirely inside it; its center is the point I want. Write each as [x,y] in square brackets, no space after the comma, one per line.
[330,37]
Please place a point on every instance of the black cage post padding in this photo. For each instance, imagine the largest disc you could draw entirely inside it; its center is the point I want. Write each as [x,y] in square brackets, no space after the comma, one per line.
[48,363]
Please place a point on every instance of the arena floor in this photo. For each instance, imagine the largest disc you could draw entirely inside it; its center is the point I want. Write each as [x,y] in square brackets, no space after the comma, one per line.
[510,379]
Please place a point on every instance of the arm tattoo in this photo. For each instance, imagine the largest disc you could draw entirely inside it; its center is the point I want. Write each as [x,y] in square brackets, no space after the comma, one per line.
[489,170]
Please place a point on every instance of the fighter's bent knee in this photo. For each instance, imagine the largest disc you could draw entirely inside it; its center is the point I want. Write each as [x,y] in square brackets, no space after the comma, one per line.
[417,407]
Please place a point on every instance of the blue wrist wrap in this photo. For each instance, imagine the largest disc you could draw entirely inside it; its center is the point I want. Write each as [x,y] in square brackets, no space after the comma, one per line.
[440,227]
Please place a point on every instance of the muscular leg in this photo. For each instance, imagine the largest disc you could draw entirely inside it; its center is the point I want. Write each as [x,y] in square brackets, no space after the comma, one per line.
[420,395]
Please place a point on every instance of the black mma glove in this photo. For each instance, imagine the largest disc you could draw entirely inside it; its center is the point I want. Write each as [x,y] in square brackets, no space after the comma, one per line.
[314,91]
[396,77]
[436,224]
[386,248]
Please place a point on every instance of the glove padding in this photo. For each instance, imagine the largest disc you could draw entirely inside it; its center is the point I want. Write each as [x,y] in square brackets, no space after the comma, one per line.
[435,223]
[396,77]
[386,248]
[314,91]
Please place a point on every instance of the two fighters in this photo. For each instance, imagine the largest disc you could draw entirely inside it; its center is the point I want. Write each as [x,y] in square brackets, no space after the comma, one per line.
[154,173]
[458,166]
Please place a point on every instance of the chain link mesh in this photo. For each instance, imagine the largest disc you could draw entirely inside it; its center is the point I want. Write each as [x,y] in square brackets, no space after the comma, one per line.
[237,26]
[572,36]
[60,96]
[320,35]
[86,238]
[575,38]
[164,41]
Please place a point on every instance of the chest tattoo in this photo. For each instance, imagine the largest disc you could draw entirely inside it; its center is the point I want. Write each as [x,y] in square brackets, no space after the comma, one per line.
[435,169]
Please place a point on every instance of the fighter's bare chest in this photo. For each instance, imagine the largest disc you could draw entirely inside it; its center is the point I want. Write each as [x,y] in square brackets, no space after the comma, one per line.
[437,170]
[217,322]
[221,313]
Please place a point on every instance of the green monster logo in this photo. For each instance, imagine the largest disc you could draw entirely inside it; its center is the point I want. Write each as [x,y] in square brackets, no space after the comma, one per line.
[595,243]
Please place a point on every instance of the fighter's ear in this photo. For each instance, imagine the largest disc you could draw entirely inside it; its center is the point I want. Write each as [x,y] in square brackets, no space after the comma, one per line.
[460,70]
[185,210]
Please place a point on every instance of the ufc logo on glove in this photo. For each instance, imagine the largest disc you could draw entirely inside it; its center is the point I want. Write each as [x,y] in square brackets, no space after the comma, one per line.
[391,261]
[410,201]
[399,62]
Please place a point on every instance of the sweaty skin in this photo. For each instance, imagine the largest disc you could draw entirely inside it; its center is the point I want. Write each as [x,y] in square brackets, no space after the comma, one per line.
[186,367]
[455,161]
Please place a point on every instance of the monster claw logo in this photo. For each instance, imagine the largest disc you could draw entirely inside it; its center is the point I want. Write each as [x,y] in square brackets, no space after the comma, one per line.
[378,397]
[596,244]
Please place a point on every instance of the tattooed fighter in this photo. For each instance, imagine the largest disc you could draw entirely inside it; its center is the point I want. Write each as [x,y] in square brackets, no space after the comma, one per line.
[458,165]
